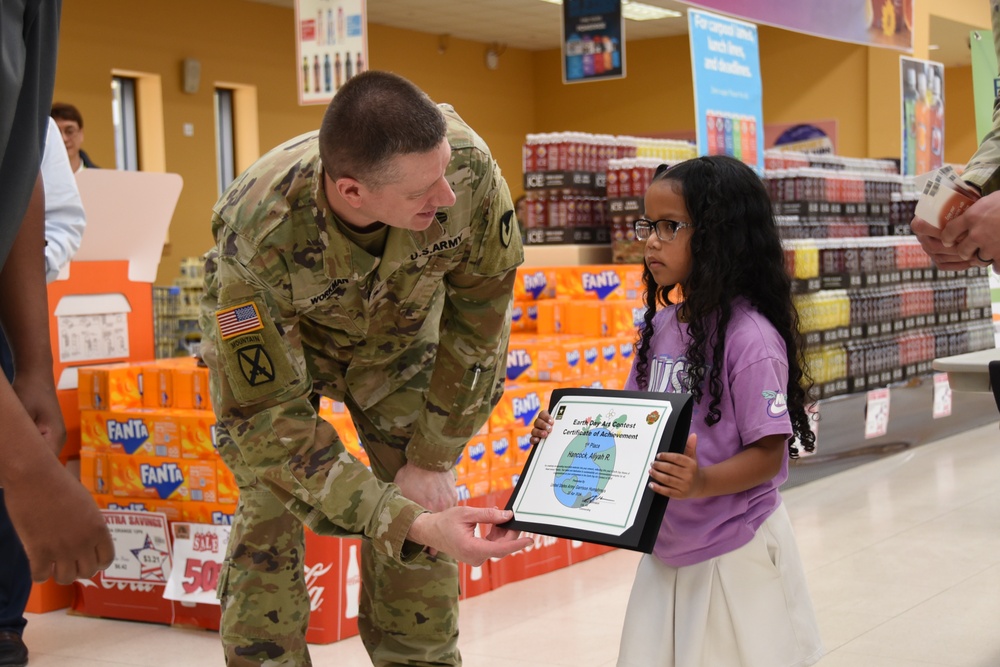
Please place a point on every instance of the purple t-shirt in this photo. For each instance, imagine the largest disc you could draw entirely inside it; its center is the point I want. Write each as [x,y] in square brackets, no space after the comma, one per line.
[754,382]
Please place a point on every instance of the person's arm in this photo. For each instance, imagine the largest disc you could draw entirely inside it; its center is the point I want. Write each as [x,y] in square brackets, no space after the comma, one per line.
[63,532]
[64,216]
[468,376]
[261,391]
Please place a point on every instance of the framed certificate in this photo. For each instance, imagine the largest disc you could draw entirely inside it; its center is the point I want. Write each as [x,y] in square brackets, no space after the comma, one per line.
[589,479]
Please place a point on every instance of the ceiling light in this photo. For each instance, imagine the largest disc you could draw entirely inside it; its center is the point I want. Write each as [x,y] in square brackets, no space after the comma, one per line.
[933,47]
[638,11]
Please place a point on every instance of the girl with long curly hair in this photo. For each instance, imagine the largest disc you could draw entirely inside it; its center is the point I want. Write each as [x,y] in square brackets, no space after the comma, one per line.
[724,585]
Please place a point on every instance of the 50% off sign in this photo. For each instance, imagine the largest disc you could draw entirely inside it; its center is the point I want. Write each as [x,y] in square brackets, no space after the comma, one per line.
[199,552]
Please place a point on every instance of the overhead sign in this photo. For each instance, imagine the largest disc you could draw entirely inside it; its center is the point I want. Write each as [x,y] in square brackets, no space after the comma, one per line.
[593,42]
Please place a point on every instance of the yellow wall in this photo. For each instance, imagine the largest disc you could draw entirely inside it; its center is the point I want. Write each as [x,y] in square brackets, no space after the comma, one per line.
[960,140]
[238,42]
[252,43]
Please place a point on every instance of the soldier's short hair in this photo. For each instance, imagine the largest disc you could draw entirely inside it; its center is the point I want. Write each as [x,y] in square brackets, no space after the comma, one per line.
[373,118]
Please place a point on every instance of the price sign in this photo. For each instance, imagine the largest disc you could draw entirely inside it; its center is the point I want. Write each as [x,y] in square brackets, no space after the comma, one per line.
[942,395]
[877,420]
[199,552]
[142,549]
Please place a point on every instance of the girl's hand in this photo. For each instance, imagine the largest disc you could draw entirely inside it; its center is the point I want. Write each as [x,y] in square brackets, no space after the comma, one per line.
[542,427]
[678,475]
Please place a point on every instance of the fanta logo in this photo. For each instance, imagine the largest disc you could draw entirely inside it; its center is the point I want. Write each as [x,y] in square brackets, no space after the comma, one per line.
[608,352]
[533,312]
[516,314]
[526,408]
[518,361]
[573,357]
[477,451]
[462,492]
[590,355]
[524,442]
[165,478]
[603,283]
[130,434]
[535,283]
[625,350]
[131,507]
[500,446]
[222,519]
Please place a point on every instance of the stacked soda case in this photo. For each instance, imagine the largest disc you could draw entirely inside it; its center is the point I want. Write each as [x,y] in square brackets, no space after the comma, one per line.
[565,181]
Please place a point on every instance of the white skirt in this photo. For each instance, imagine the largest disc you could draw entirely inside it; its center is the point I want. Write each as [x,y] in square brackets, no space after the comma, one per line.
[747,608]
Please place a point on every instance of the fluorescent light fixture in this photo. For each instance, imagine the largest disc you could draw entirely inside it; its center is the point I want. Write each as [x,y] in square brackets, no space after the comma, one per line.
[933,47]
[638,11]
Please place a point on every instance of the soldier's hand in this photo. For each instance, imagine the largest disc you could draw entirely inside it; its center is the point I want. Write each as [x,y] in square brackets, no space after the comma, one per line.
[453,532]
[975,235]
[944,257]
[432,490]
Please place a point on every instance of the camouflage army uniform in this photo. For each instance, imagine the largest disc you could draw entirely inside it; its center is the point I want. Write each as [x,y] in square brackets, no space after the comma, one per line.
[414,343]
[983,169]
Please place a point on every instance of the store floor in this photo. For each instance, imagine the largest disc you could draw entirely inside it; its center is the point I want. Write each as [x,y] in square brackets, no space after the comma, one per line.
[902,555]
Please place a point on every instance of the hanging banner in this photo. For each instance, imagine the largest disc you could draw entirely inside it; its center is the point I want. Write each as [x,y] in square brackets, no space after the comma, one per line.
[922,123]
[985,84]
[887,23]
[593,45]
[331,46]
[727,90]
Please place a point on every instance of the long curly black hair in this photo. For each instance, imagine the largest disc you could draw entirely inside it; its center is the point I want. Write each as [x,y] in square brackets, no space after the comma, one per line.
[736,252]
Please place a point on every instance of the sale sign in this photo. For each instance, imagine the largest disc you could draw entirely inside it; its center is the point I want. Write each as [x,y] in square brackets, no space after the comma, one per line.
[199,552]
[142,549]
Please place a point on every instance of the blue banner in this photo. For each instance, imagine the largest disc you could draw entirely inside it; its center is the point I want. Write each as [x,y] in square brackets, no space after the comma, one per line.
[729,116]
[593,45]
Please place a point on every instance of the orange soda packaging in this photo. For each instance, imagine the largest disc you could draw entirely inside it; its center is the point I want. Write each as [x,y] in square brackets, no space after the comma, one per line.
[502,452]
[190,388]
[108,387]
[137,431]
[166,479]
[173,510]
[601,281]
[535,283]
[216,514]
[520,404]
[227,492]
[520,439]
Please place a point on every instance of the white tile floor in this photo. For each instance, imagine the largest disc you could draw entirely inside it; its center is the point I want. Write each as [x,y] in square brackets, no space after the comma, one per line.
[903,559]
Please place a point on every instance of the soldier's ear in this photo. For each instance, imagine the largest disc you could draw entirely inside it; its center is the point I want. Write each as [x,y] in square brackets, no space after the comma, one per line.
[348,189]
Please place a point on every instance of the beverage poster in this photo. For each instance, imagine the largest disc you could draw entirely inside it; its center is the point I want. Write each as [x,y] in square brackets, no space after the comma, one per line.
[728,101]
[593,40]
[922,126]
[331,46]
[885,23]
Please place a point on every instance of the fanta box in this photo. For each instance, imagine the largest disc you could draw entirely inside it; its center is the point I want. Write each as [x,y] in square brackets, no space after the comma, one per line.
[108,387]
[165,479]
[601,281]
[520,439]
[586,318]
[615,381]
[173,510]
[524,317]
[519,405]
[473,486]
[552,317]
[626,352]
[592,362]
[94,472]
[477,456]
[504,478]
[502,451]
[156,384]
[190,387]
[609,356]
[535,283]
[225,483]
[138,431]
[624,317]
[544,359]
[216,514]
[196,432]
[329,408]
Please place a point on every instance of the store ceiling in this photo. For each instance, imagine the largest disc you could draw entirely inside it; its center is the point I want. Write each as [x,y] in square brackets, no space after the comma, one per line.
[535,25]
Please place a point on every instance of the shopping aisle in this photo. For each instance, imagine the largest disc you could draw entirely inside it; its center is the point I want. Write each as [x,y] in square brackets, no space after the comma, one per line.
[903,558]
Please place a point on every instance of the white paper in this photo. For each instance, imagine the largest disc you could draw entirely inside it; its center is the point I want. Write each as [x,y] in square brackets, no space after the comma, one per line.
[199,552]
[877,420]
[942,396]
[591,471]
[142,547]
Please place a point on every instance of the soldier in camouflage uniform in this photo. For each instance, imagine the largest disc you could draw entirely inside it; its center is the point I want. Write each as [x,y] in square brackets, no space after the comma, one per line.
[372,262]
[973,238]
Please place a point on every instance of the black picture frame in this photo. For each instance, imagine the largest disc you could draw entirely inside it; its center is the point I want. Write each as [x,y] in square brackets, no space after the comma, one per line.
[641,536]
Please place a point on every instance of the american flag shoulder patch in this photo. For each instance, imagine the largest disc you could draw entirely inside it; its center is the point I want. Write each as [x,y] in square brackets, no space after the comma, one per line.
[238,320]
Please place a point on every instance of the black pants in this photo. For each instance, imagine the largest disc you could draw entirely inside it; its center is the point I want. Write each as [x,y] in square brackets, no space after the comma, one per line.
[15,573]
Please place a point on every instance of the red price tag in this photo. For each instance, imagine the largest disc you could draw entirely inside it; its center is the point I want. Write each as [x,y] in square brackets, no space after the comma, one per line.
[200,576]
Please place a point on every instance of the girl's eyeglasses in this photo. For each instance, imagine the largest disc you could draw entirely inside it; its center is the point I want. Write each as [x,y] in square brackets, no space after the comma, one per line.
[666,230]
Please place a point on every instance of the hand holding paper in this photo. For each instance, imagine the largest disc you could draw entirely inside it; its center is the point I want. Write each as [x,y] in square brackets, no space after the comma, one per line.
[954,225]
